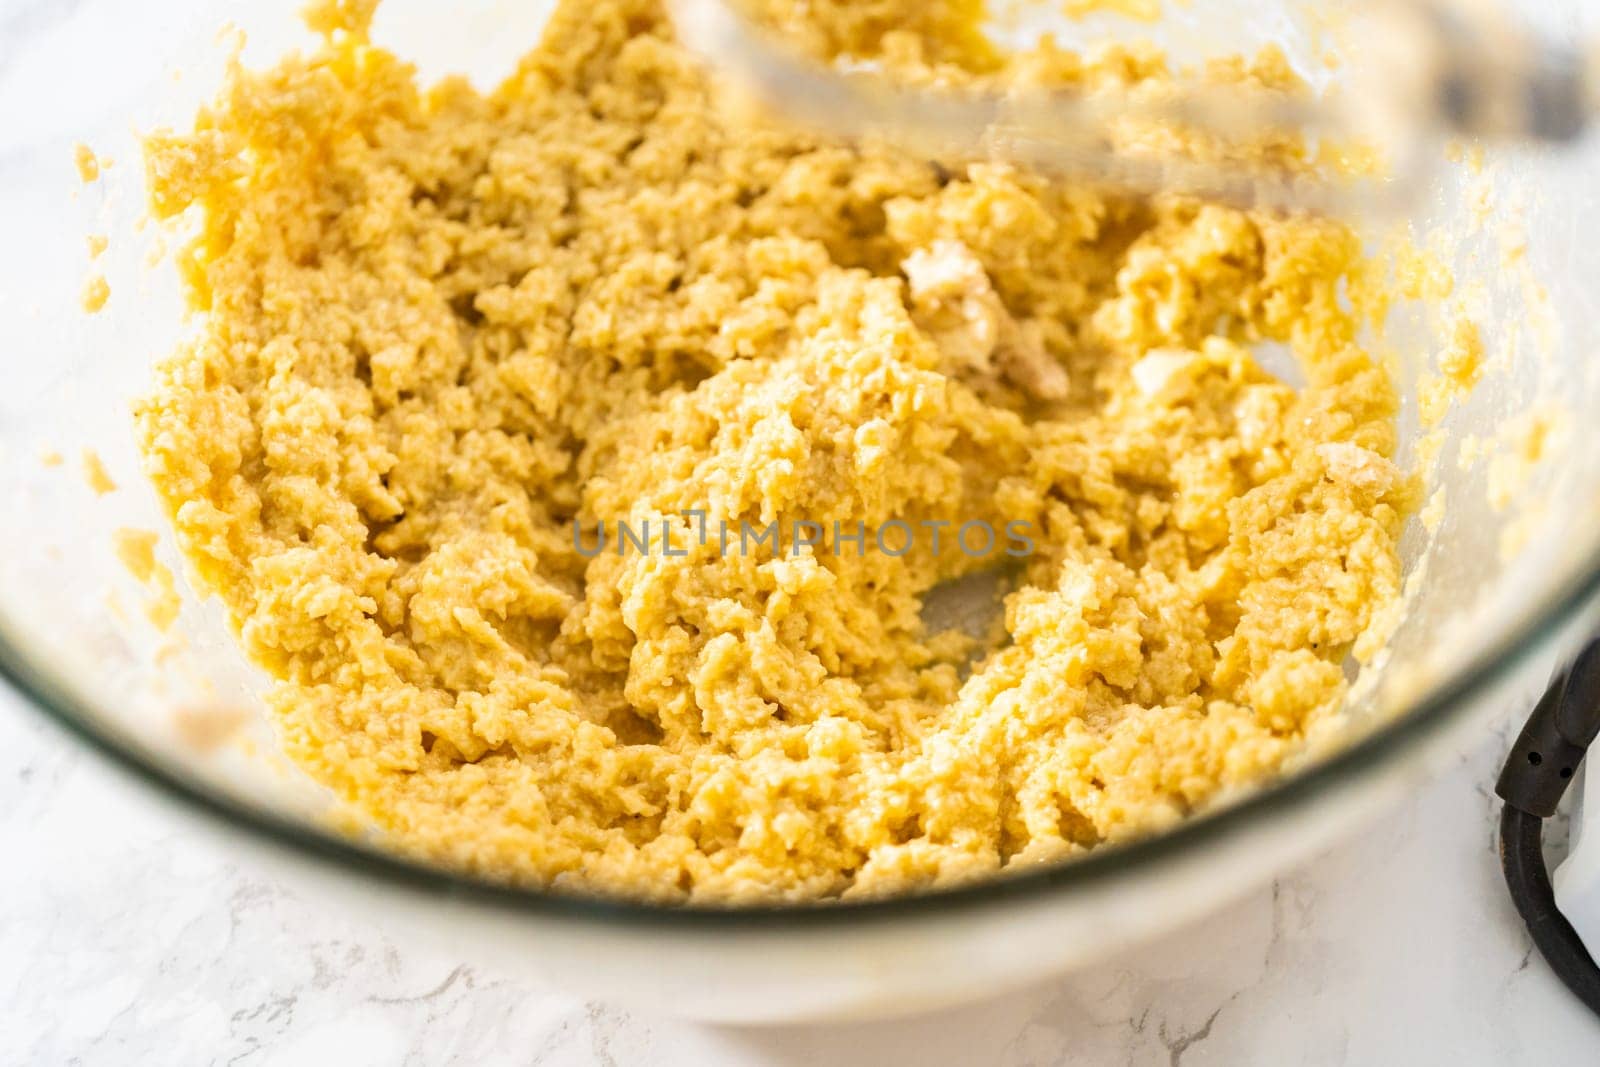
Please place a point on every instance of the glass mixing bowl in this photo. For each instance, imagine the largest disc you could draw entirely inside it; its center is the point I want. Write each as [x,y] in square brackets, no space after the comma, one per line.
[1507,576]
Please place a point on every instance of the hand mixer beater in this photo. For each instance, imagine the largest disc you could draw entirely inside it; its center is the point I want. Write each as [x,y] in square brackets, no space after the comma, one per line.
[1429,70]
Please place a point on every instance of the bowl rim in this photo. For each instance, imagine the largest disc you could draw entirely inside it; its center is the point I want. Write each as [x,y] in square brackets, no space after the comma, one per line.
[1380,748]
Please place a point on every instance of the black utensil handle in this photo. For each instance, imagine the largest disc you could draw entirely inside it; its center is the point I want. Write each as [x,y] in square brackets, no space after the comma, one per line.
[1536,776]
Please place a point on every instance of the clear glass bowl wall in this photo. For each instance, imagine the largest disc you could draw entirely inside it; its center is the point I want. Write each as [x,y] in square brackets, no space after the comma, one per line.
[98,71]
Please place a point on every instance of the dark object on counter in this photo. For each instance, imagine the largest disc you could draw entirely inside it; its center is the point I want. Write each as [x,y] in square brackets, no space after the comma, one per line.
[1537,773]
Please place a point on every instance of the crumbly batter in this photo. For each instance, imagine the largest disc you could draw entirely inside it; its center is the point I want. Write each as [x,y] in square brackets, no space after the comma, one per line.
[87,162]
[95,475]
[96,292]
[440,326]
[137,551]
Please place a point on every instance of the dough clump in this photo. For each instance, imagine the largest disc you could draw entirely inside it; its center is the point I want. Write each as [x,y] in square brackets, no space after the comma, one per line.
[439,327]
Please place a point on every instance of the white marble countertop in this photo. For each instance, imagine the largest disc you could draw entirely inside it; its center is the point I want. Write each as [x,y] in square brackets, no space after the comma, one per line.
[124,939]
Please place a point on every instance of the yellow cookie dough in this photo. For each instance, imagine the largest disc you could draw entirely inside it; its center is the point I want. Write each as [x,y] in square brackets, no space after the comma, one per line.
[438,327]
